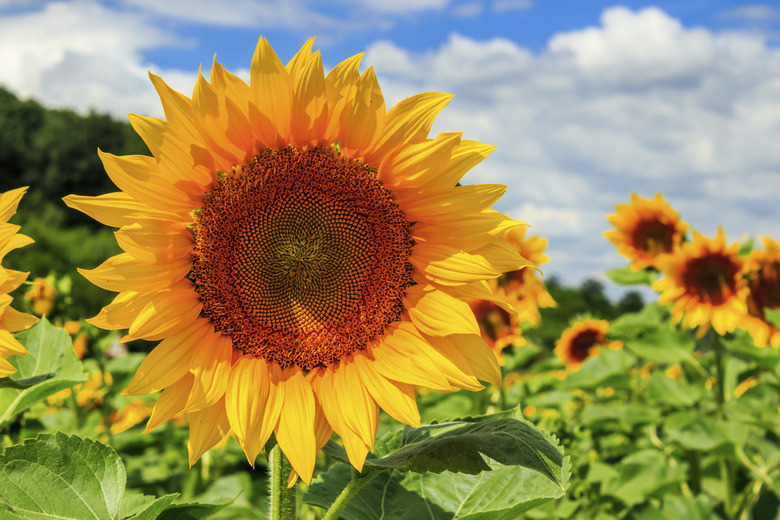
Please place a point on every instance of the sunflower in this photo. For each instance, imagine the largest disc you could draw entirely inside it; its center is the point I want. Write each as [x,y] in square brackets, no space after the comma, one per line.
[703,281]
[762,271]
[523,288]
[499,326]
[646,229]
[302,253]
[583,339]
[10,319]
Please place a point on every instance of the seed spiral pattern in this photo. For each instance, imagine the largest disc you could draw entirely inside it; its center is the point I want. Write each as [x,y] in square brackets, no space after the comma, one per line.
[301,257]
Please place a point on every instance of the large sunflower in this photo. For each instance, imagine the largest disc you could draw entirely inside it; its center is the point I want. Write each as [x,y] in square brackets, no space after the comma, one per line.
[762,270]
[703,280]
[583,339]
[302,253]
[11,320]
[645,230]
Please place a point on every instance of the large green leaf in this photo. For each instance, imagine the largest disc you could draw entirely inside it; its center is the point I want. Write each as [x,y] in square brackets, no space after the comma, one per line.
[56,476]
[50,359]
[665,346]
[502,494]
[459,446]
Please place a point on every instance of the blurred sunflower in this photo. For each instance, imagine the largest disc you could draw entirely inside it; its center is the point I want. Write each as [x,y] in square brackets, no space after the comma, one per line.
[499,327]
[41,294]
[762,270]
[703,282]
[302,253]
[523,288]
[583,339]
[10,319]
[645,230]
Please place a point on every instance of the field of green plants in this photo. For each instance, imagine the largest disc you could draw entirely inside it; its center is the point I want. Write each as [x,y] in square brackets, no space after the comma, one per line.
[661,408]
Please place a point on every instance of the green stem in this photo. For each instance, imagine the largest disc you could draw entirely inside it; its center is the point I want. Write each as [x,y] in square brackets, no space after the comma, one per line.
[283,506]
[358,481]
[726,464]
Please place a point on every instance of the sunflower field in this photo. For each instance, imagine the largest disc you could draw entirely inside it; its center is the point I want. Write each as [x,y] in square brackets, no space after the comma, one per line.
[280,302]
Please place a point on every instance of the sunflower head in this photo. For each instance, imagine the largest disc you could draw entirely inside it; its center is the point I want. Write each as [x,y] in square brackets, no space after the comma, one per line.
[524,289]
[645,230]
[499,327]
[583,339]
[10,319]
[303,254]
[762,272]
[703,282]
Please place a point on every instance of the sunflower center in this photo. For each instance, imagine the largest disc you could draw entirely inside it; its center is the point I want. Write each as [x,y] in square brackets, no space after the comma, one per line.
[765,286]
[301,257]
[712,277]
[654,237]
[582,343]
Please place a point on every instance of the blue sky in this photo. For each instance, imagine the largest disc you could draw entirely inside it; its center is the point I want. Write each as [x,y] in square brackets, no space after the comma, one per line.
[587,101]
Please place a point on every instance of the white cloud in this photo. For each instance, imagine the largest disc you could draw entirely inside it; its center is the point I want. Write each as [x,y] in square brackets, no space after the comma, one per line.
[62,53]
[639,103]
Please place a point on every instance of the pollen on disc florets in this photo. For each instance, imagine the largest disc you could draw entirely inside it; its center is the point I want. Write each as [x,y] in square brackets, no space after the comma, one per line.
[301,257]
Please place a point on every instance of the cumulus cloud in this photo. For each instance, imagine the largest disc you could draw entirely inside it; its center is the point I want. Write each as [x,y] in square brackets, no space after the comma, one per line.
[61,53]
[639,103]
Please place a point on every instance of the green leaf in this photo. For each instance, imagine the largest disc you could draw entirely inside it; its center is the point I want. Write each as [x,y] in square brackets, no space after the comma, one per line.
[608,369]
[664,346]
[633,324]
[50,352]
[153,510]
[21,384]
[57,476]
[661,389]
[504,493]
[458,446]
[627,276]
[641,475]
[191,511]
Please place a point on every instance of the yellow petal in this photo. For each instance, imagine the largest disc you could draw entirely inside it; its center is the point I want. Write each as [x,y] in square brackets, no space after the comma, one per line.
[116,209]
[231,85]
[226,129]
[211,366]
[14,321]
[138,176]
[479,290]
[270,415]
[168,312]
[9,202]
[154,242]
[170,402]
[407,122]
[10,280]
[437,313]
[467,155]
[397,399]
[6,368]
[398,358]
[430,206]
[246,396]
[169,361]
[446,265]
[468,234]
[503,256]
[295,429]
[122,311]
[359,410]
[179,156]
[208,428]
[271,97]
[362,119]
[484,364]
[310,105]
[9,346]
[124,273]
[413,165]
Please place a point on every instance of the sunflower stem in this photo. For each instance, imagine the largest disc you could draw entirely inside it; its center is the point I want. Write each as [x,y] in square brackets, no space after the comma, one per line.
[283,499]
[348,493]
